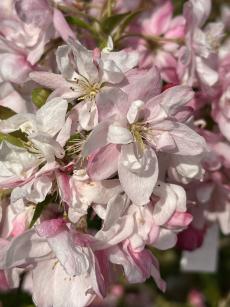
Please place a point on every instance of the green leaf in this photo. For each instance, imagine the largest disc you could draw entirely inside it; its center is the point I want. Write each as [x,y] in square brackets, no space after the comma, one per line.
[80,23]
[39,96]
[6,112]
[11,139]
[120,20]
[128,19]
[39,209]
[110,23]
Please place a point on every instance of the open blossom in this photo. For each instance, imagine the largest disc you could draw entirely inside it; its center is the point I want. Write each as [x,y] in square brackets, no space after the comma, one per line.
[84,75]
[135,135]
[26,27]
[22,44]
[109,156]
[163,36]
[199,58]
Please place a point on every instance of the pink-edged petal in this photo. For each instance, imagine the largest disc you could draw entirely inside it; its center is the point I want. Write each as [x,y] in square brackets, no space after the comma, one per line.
[117,233]
[14,68]
[111,73]
[115,209]
[63,62]
[24,249]
[166,205]
[188,142]
[138,174]
[54,287]
[174,98]
[207,71]
[176,28]
[111,101]
[10,98]
[197,12]
[73,258]
[150,84]
[88,115]
[51,228]
[165,142]
[64,186]
[180,220]
[104,162]
[51,116]
[62,26]
[125,60]
[49,79]
[96,139]
[159,21]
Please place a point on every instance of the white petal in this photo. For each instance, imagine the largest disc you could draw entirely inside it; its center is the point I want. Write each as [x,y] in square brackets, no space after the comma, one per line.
[119,135]
[138,175]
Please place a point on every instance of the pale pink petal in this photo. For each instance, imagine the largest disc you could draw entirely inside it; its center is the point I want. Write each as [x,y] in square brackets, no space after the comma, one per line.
[118,134]
[62,26]
[111,101]
[150,84]
[134,111]
[73,258]
[96,139]
[14,68]
[125,60]
[115,234]
[64,187]
[188,142]
[138,175]
[174,98]
[166,239]
[103,163]
[49,79]
[166,205]
[160,19]
[24,249]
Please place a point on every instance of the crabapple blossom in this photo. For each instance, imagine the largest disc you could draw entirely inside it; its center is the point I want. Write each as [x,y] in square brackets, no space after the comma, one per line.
[114,144]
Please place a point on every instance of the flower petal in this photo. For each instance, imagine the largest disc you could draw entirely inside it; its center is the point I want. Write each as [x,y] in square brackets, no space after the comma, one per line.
[138,175]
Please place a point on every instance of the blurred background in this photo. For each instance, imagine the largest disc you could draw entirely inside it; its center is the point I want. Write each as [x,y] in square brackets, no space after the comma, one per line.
[183,289]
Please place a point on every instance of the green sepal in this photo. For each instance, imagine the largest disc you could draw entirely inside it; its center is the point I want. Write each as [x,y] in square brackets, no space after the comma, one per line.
[110,23]
[80,23]
[10,138]
[6,113]
[120,21]
[39,209]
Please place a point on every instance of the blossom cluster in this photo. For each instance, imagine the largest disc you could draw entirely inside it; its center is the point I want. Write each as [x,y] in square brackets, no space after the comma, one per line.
[114,141]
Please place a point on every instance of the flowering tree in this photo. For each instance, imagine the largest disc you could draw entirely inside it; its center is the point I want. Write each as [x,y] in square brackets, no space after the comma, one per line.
[114,144]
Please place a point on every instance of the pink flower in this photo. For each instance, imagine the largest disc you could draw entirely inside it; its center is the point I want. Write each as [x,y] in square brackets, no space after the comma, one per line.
[134,136]
[164,34]
[86,77]
[198,62]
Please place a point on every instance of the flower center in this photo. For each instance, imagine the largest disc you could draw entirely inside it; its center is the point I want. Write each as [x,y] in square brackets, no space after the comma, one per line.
[88,90]
[138,132]
[143,134]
